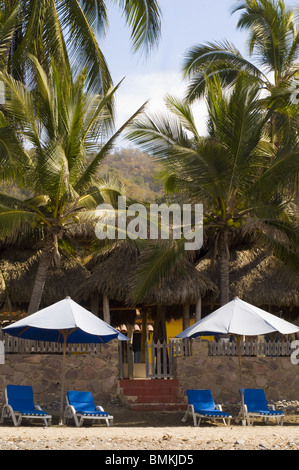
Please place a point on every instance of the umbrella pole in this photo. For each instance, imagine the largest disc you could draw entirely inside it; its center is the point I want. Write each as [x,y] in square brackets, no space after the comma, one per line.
[241,380]
[62,382]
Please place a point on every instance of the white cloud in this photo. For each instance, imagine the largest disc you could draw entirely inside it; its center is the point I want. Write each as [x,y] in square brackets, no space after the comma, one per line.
[137,89]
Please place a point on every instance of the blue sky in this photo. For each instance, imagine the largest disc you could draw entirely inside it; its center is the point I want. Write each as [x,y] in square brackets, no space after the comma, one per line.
[185,23]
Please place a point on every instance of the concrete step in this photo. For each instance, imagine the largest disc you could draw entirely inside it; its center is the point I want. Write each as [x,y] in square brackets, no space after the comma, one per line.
[148,382]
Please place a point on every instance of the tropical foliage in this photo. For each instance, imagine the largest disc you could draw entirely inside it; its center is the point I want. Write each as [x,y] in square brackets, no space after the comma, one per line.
[8,25]
[56,129]
[53,139]
[273,44]
[246,171]
[234,171]
[69,31]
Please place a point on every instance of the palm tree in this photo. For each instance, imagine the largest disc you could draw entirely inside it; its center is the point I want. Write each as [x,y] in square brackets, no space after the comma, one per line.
[68,30]
[233,171]
[8,26]
[273,43]
[55,137]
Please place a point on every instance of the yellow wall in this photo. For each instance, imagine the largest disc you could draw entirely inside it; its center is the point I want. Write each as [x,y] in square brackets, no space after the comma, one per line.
[174,327]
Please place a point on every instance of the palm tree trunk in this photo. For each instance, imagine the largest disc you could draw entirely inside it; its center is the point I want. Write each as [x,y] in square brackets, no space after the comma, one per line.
[198,310]
[186,316]
[224,260]
[160,334]
[41,275]
[160,325]
[106,309]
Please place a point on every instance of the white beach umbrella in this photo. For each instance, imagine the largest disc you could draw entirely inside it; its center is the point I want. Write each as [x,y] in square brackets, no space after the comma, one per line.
[64,322]
[238,318]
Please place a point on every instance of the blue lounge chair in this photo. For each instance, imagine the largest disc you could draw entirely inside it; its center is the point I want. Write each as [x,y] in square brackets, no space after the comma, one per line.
[255,405]
[19,405]
[81,406]
[202,405]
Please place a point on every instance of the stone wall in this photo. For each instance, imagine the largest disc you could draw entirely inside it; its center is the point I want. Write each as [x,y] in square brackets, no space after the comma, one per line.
[276,375]
[97,373]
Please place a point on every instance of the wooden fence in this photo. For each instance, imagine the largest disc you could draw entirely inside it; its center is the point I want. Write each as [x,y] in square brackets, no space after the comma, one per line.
[159,353]
[13,345]
[160,357]
[251,348]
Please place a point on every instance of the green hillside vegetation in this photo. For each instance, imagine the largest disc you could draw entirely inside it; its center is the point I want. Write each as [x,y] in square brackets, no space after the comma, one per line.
[137,171]
[14,190]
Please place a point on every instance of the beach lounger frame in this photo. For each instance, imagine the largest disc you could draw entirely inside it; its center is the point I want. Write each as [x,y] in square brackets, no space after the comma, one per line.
[20,405]
[256,406]
[202,406]
[81,406]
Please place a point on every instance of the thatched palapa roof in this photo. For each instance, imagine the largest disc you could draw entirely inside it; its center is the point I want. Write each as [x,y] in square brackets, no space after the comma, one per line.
[185,285]
[109,273]
[257,277]
[18,269]
[112,276]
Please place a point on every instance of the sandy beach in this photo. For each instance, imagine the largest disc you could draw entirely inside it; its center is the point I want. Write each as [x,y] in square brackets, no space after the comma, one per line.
[141,431]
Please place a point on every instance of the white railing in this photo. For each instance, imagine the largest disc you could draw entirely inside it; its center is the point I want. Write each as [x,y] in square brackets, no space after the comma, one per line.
[250,348]
[13,345]
[160,353]
[160,357]
[181,347]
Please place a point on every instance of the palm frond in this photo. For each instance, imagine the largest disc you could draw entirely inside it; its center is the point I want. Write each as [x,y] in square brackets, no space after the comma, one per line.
[98,121]
[31,17]
[144,18]
[220,59]
[76,19]
[183,111]
[15,220]
[272,34]
[32,205]
[156,134]
[8,24]
[155,263]
[15,161]
[19,105]
[277,176]
[89,173]
[283,240]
